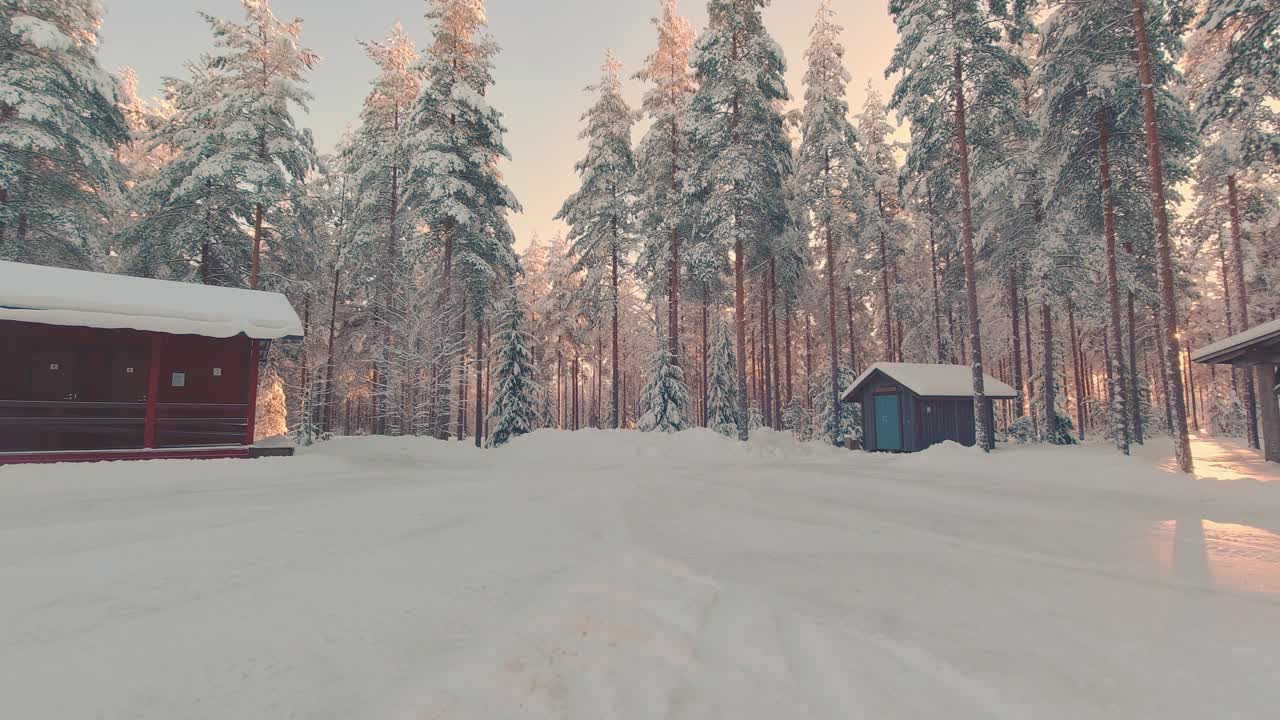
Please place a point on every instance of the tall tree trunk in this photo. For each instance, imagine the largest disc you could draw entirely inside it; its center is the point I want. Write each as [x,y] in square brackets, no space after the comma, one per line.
[1120,388]
[560,416]
[766,355]
[933,271]
[889,345]
[1135,388]
[1231,323]
[330,390]
[480,413]
[706,350]
[1020,403]
[833,335]
[1164,247]
[740,311]
[1077,368]
[787,339]
[984,432]
[462,381]
[256,262]
[447,312]
[853,337]
[1048,387]
[1030,366]
[1242,303]
[1166,383]
[773,339]
[808,362]
[615,410]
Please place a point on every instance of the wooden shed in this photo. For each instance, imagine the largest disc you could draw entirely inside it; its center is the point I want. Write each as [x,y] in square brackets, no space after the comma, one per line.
[109,367]
[907,407]
[1257,350]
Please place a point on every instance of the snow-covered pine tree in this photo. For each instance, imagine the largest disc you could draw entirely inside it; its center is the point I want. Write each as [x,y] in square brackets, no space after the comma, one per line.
[957,88]
[599,214]
[455,142]
[1238,65]
[379,227]
[666,397]
[516,390]
[724,411]
[262,71]
[191,211]
[238,155]
[829,169]
[1156,37]
[1090,98]
[662,162]
[883,206]
[740,155]
[59,127]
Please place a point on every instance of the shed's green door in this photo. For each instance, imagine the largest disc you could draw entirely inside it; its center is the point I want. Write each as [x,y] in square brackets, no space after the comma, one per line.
[888,423]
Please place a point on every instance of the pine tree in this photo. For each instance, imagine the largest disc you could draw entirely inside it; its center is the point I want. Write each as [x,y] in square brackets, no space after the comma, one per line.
[829,171]
[957,87]
[878,156]
[238,154]
[1152,60]
[59,127]
[662,163]
[665,395]
[724,410]
[379,230]
[191,211]
[599,214]
[261,76]
[455,142]
[516,391]
[740,154]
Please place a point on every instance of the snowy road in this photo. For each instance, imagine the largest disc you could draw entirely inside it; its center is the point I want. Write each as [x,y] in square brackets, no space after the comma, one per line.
[601,575]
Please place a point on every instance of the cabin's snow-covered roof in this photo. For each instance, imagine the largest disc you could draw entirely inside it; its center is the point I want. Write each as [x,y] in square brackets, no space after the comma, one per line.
[56,296]
[935,380]
[1224,350]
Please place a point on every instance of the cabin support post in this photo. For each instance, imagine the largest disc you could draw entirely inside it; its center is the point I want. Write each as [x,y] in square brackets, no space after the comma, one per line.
[153,392]
[1265,379]
[251,412]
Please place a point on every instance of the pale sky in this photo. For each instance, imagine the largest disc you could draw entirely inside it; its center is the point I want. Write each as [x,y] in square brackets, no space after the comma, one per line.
[551,50]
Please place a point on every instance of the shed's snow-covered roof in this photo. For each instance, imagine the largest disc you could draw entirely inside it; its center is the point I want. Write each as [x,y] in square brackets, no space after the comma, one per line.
[56,296]
[1226,350]
[935,380]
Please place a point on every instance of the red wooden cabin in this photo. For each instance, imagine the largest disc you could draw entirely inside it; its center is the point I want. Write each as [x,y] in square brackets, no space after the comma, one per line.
[110,367]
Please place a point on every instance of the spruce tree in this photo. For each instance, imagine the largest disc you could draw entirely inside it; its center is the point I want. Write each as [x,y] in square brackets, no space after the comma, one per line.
[59,127]
[662,161]
[192,211]
[516,391]
[380,230]
[665,397]
[740,154]
[599,214]
[724,410]
[829,170]
[455,143]
[883,206]
[262,73]
[957,88]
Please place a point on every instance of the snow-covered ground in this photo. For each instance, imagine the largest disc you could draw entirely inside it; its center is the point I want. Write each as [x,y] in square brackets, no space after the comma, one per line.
[603,575]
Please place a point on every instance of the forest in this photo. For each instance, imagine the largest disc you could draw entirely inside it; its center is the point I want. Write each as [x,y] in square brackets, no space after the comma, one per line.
[1070,196]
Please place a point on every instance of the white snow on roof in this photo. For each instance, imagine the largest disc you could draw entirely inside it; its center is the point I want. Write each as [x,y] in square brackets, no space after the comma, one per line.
[1248,336]
[56,296]
[935,380]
